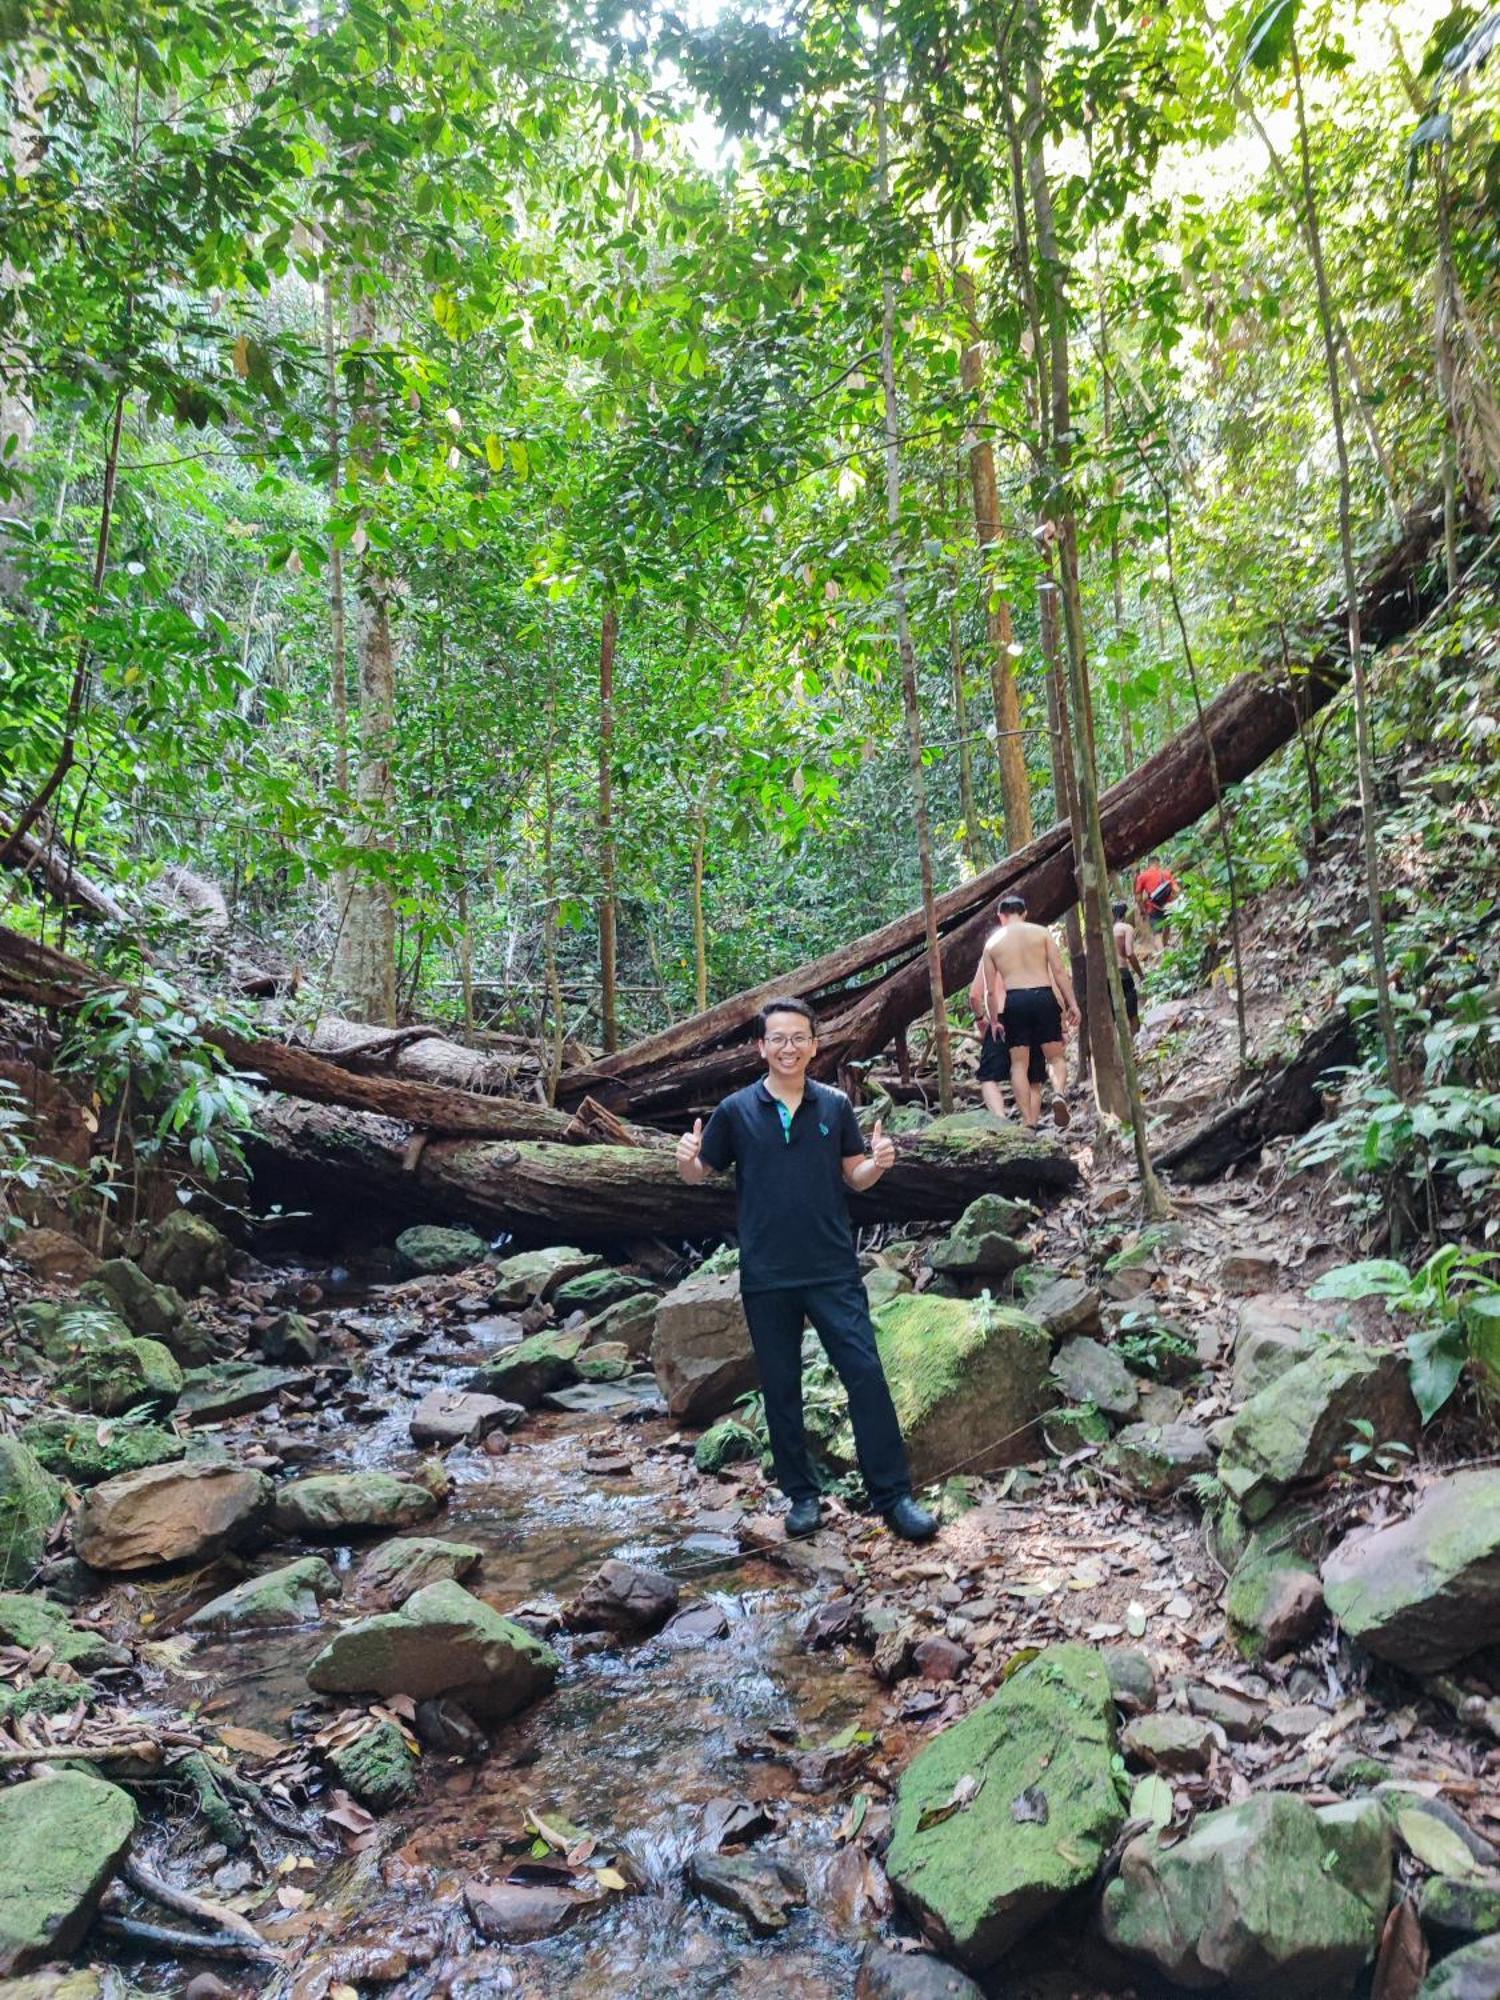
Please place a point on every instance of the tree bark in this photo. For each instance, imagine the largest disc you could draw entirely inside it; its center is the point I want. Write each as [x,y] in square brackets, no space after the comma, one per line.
[603,1194]
[609,1018]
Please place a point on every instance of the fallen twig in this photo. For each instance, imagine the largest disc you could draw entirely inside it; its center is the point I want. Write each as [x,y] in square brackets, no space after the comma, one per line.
[186,1904]
[56,1753]
[183,1944]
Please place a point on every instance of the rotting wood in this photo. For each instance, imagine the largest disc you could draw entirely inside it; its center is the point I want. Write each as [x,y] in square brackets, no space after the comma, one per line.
[1285,1102]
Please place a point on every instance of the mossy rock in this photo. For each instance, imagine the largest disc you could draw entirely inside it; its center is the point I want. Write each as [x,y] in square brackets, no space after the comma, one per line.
[1155,1460]
[430,1251]
[42,1697]
[31,1501]
[1470,1974]
[378,1770]
[61,1839]
[1455,1911]
[227,1389]
[61,1330]
[1074,1429]
[1298,1427]
[536,1274]
[977,1879]
[605,1361]
[969,1381]
[1424,1592]
[134,1374]
[1272,1603]
[629,1322]
[73,1451]
[341,1503]
[398,1569]
[592,1291]
[31,1621]
[531,1369]
[147,1308]
[292,1595]
[725,1443]
[188,1254]
[882,1284]
[441,1641]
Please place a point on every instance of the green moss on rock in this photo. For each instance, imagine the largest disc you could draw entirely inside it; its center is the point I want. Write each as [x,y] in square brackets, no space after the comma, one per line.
[969,1381]
[30,1502]
[725,1443]
[31,1621]
[72,1449]
[61,1840]
[379,1769]
[134,1373]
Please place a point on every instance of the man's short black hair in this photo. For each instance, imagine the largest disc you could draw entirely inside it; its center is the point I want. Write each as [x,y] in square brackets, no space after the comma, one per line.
[1119,910]
[1012,906]
[789,1005]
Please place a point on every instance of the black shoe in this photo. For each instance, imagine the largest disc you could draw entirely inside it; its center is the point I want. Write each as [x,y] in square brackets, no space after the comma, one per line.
[911,1522]
[804,1518]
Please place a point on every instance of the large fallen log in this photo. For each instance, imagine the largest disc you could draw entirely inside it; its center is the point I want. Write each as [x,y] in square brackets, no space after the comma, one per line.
[598,1195]
[1286,1101]
[671,1075]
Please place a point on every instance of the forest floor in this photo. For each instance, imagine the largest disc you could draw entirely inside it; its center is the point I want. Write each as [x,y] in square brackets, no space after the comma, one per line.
[758,1715]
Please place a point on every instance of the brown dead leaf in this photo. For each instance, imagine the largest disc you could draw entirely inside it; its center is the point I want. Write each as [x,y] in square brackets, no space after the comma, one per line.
[249,1742]
[1401,1965]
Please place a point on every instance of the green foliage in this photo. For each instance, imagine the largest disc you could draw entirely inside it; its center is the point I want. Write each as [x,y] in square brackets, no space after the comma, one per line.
[1452,1297]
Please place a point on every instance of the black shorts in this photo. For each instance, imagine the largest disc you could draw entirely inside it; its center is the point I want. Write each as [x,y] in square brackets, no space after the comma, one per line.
[1132,1004]
[994,1058]
[1032,1017]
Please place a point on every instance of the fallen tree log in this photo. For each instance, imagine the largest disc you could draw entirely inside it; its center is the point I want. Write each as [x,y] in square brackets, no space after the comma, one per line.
[673,1074]
[1283,1103]
[600,1195]
[422,1053]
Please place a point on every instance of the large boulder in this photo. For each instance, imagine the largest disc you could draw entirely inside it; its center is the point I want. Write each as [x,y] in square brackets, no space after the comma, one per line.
[1424,1592]
[53,1256]
[292,1595]
[531,1369]
[131,1374]
[441,1641]
[398,1569]
[429,1251]
[189,1254]
[982,1243]
[72,1447]
[969,1381]
[700,1349]
[1274,1331]
[169,1514]
[341,1503]
[1271,1897]
[536,1274]
[30,1502]
[1008,1811]
[1296,1427]
[122,1287]
[30,1621]
[61,1840]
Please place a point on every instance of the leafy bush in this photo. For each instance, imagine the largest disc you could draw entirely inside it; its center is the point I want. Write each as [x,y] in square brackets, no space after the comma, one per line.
[1457,1308]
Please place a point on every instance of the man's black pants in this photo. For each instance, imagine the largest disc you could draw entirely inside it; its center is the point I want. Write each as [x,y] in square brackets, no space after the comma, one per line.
[840,1314]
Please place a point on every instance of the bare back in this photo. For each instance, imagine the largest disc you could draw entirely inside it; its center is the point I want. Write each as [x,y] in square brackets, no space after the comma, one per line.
[1018,952]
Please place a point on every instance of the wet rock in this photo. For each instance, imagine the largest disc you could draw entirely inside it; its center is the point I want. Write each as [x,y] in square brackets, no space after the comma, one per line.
[398,1569]
[1132,1679]
[631,1322]
[909,1975]
[939,1659]
[591,1292]
[32,1621]
[729,1822]
[605,1361]
[536,1274]
[727,1442]
[700,1349]
[1272,1335]
[981,1243]
[523,1912]
[1175,1744]
[61,1840]
[337,1503]
[378,1769]
[1240,1716]
[619,1597]
[761,1891]
[446,1728]
[978,1878]
[208,1986]
[1297,1427]
[1154,1460]
[637,1396]
[146,1308]
[696,1624]
[524,1373]
[1271,1896]
[188,1254]
[447,1417]
[291,1338]
[54,1257]
[1273,1603]
[226,1389]
[130,1374]
[429,1251]
[1470,1974]
[30,1502]
[1088,1372]
[1064,1307]
[292,1595]
[1456,1912]
[1424,1592]
[169,1514]
[969,1381]
[441,1641]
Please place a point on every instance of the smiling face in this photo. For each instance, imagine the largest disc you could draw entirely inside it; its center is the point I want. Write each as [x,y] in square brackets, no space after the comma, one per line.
[788,1045]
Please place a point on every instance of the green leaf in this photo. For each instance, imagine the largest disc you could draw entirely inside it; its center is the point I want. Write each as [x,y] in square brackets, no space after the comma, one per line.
[1436,1357]
[1270,35]
[1376,1277]
[1152,1801]
[1436,1846]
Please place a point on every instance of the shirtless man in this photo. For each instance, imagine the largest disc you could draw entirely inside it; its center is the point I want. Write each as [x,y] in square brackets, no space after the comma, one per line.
[1129,962]
[1022,988]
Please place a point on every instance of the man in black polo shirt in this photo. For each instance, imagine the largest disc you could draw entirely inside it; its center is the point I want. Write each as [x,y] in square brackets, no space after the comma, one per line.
[795,1146]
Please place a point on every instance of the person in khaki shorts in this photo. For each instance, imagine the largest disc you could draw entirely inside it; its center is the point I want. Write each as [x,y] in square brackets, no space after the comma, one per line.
[1022,984]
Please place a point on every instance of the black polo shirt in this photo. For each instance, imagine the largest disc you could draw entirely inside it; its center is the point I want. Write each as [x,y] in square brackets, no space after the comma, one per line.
[794,1210]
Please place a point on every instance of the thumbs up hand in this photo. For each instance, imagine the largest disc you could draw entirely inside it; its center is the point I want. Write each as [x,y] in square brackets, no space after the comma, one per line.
[689,1144]
[882,1149]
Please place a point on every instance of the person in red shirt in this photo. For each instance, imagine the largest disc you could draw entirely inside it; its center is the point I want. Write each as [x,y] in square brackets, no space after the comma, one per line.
[1156,889]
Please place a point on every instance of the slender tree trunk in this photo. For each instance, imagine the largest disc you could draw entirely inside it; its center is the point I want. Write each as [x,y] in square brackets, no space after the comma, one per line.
[1065,800]
[968,805]
[366,955]
[609,1017]
[17,413]
[700,926]
[337,611]
[1116,583]
[1010,741]
[907,651]
[1384,1008]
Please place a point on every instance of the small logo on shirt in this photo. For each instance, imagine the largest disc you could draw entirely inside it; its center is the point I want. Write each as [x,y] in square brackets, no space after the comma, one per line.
[823,1128]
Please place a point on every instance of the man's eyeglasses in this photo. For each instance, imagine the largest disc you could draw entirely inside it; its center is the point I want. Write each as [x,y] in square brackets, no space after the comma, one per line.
[789,1041]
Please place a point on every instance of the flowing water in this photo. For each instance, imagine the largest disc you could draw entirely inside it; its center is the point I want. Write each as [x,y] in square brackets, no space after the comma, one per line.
[632,1745]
